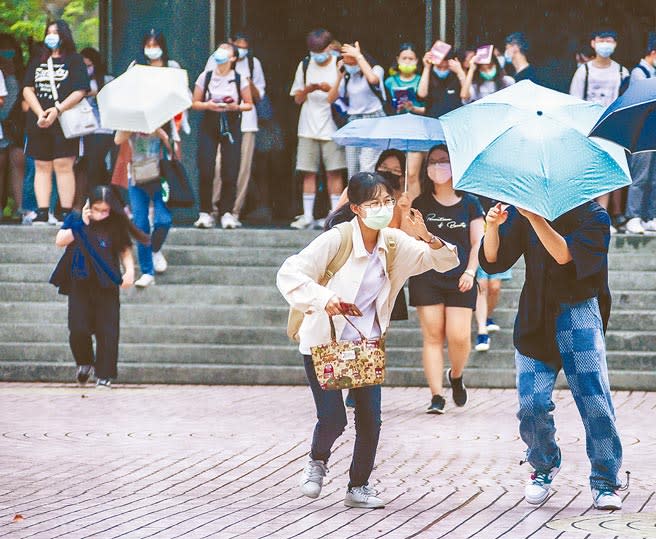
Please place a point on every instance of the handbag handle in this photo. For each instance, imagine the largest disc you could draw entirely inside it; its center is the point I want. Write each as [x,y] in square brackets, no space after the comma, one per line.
[333,333]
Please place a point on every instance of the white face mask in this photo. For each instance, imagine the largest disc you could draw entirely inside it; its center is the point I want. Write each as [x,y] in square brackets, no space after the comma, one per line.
[439,173]
[377,219]
[604,49]
[153,53]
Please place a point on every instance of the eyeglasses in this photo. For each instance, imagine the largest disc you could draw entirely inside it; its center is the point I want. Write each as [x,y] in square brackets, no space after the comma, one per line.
[377,205]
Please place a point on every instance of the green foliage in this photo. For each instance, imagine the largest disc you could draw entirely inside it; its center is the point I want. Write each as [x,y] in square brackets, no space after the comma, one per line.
[27,19]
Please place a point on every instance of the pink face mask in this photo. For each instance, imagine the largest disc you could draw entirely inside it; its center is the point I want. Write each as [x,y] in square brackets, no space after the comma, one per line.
[439,173]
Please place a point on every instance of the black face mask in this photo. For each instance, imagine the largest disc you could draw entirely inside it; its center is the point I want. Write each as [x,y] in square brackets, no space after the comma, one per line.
[394,180]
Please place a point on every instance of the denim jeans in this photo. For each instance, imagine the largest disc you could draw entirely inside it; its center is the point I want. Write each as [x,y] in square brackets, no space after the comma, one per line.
[580,338]
[139,202]
[641,198]
[331,416]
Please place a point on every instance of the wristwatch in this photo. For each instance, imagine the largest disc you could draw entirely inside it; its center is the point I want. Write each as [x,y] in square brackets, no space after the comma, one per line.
[471,273]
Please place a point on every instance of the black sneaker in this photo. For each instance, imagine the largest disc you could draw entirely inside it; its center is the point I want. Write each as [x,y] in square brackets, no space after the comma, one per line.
[436,405]
[103,383]
[41,217]
[83,374]
[62,215]
[458,389]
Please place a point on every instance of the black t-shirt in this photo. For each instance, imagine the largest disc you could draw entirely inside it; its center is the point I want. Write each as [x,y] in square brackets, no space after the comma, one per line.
[70,76]
[528,73]
[443,95]
[586,230]
[451,223]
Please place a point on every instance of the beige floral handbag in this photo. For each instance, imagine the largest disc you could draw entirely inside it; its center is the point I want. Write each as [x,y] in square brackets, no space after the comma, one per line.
[349,364]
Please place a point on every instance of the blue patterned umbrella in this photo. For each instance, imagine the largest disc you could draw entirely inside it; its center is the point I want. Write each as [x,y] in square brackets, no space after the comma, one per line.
[527,146]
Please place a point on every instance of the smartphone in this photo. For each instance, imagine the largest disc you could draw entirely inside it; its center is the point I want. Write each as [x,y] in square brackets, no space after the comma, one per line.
[483,55]
[438,51]
[349,309]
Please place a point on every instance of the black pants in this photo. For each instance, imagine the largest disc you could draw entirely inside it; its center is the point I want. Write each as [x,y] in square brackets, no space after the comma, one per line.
[93,310]
[208,140]
[96,148]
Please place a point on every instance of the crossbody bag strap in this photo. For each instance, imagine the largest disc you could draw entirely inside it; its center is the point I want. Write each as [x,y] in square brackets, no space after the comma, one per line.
[51,76]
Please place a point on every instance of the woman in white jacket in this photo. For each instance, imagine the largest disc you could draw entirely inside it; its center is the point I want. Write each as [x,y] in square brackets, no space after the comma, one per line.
[365,281]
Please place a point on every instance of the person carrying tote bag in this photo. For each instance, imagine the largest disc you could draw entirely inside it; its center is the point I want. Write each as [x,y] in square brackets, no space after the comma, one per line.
[368,284]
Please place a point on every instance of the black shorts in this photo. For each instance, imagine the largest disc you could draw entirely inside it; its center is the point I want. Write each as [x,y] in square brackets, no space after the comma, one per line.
[432,288]
[49,144]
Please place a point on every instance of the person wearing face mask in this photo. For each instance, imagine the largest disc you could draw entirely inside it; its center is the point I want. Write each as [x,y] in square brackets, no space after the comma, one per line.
[315,76]
[46,144]
[360,86]
[439,86]
[445,301]
[402,89]
[517,47]
[370,278]
[222,94]
[599,81]
[483,80]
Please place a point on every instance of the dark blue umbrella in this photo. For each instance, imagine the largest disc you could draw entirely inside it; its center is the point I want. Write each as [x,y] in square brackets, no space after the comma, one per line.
[630,120]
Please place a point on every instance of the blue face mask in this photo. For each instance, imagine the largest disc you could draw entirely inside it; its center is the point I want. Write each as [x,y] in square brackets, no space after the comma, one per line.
[335,53]
[352,70]
[243,53]
[441,73]
[221,56]
[7,53]
[51,41]
[320,57]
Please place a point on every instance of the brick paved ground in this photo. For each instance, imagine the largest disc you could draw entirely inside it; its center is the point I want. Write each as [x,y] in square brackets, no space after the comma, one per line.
[222,462]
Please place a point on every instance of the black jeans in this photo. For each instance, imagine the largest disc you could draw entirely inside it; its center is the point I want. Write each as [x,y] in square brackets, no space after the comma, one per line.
[208,140]
[331,415]
[94,310]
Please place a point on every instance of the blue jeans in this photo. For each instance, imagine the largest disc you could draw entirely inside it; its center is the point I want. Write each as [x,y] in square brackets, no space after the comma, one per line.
[641,199]
[139,202]
[331,415]
[580,338]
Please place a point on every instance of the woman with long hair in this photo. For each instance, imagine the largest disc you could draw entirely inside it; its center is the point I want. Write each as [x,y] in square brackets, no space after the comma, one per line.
[46,143]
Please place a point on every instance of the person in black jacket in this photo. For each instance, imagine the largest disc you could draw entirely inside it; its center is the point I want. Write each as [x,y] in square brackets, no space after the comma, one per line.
[439,86]
[563,314]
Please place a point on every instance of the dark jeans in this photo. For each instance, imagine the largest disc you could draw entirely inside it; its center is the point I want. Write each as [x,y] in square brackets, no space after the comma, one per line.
[93,310]
[331,415]
[208,142]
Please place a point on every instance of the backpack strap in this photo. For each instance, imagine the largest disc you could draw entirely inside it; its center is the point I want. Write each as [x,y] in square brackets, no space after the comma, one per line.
[251,65]
[644,70]
[343,253]
[585,84]
[306,64]
[237,81]
[206,86]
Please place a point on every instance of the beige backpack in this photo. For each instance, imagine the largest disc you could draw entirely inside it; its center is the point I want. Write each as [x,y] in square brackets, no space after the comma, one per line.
[295,318]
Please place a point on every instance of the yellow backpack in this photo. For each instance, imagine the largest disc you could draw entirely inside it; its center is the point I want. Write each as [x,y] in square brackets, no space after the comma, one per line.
[295,318]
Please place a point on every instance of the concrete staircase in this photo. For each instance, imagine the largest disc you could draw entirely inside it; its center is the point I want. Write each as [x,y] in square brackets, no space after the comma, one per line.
[216,317]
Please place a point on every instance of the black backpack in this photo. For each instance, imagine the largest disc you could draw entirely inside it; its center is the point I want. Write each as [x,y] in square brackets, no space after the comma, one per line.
[624,85]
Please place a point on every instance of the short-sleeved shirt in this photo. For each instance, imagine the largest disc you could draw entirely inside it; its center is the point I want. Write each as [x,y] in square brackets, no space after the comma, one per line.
[603,82]
[479,90]
[222,86]
[528,73]
[315,120]
[443,95]
[395,82]
[360,98]
[638,73]
[452,224]
[586,230]
[70,75]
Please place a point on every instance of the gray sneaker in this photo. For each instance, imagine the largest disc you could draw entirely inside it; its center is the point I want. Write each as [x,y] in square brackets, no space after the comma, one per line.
[363,497]
[311,479]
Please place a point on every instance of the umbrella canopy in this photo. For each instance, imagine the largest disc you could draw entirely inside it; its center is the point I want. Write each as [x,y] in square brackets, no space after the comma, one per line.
[143,98]
[405,132]
[630,120]
[527,145]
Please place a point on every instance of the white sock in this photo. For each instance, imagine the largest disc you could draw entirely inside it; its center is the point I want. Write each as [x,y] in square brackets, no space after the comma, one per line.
[308,206]
[334,199]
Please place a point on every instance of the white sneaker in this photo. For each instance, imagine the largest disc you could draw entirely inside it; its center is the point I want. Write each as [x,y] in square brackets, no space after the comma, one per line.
[363,497]
[28,217]
[228,221]
[145,280]
[205,220]
[649,226]
[633,226]
[606,499]
[52,220]
[311,479]
[613,230]
[538,489]
[237,221]
[301,223]
[159,262]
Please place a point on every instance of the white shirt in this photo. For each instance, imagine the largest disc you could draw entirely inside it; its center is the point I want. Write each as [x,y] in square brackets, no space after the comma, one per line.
[316,120]
[479,91]
[298,278]
[361,99]
[249,117]
[639,74]
[603,82]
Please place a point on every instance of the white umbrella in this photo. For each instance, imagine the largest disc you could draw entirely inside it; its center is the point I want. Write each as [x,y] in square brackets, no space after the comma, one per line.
[143,98]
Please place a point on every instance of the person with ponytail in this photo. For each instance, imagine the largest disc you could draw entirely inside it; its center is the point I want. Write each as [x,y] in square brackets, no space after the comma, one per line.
[370,281]
[97,241]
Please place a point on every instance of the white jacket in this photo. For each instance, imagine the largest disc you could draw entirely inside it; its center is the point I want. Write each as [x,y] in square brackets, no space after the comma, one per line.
[297,278]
